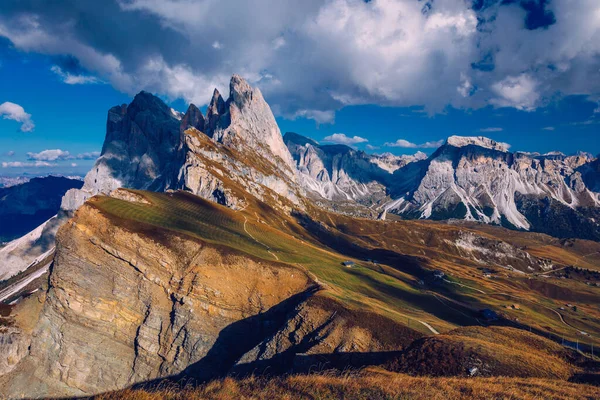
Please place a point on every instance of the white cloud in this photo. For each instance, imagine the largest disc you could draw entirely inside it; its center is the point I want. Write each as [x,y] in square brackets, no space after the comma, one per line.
[519,92]
[61,155]
[322,55]
[19,164]
[15,112]
[72,79]
[548,128]
[409,145]
[492,129]
[371,147]
[320,117]
[10,153]
[49,155]
[73,164]
[341,138]
[278,42]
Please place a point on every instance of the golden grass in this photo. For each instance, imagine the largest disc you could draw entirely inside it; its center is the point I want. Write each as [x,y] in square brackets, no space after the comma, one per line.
[370,384]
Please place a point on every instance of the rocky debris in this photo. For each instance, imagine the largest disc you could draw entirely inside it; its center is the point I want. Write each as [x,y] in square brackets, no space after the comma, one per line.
[128,195]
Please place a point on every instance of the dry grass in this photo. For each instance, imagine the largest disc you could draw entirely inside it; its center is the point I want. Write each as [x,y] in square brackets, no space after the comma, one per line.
[371,384]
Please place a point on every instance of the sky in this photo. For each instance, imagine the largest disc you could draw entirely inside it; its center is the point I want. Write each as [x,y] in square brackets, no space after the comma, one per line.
[394,76]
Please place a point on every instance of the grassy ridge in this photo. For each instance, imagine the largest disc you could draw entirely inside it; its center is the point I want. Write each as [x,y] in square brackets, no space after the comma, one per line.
[362,286]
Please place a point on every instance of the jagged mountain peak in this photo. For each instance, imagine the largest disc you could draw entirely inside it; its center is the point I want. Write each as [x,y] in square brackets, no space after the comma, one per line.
[193,118]
[481,141]
[249,123]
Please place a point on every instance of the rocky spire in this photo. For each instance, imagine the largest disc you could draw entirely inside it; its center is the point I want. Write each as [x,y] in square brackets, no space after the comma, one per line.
[215,110]
[251,118]
[193,118]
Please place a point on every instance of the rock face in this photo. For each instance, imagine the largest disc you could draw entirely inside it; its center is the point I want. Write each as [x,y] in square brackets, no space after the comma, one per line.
[242,148]
[127,304]
[340,173]
[146,147]
[479,179]
[141,150]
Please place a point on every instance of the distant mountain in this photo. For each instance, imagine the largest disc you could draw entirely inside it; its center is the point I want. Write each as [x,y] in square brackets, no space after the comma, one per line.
[25,206]
[340,173]
[478,179]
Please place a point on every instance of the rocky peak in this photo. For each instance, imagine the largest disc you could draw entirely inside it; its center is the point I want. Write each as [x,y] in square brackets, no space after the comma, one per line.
[250,124]
[193,118]
[216,109]
[140,150]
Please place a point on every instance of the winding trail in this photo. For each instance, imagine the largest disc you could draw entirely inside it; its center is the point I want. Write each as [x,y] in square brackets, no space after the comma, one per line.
[469,287]
[258,241]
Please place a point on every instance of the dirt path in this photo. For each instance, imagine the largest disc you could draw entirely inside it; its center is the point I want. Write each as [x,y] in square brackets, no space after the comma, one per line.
[431,328]
[258,241]
[469,287]
[540,305]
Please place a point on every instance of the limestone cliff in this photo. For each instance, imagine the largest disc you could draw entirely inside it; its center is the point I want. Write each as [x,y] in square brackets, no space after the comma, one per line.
[126,304]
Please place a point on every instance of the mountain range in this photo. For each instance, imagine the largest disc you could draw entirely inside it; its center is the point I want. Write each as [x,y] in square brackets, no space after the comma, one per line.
[204,246]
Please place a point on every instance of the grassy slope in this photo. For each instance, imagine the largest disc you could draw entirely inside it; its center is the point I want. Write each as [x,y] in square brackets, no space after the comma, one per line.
[390,287]
[370,384]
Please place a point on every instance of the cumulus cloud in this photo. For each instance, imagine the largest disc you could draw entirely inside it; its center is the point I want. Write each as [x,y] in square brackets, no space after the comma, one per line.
[409,145]
[49,155]
[313,57]
[519,92]
[15,112]
[61,155]
[491,129]
[20,164]
[341,138]
[320,117]
[548,128]
[10,153]
[371,147]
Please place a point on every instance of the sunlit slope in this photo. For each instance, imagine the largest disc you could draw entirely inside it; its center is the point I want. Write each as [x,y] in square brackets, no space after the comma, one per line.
[399,284]
[264,234]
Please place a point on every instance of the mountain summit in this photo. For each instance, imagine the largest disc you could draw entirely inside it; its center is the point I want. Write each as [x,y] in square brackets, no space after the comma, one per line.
[150,146]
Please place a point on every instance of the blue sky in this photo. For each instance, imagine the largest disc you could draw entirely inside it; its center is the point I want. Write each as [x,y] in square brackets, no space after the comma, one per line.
[382,75]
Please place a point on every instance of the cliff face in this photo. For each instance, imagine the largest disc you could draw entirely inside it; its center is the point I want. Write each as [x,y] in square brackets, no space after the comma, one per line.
[127,304]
